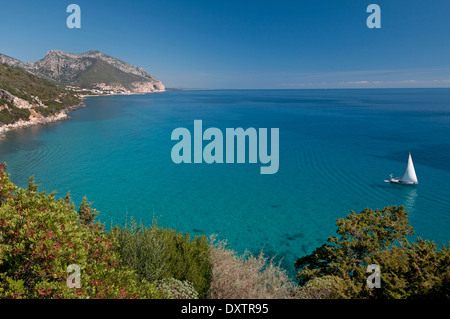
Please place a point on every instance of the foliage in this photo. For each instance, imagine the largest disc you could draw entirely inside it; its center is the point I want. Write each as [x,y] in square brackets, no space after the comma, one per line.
[32,89]
[156,253]
[325,287]
[40,236]
[142,250]
[177,289]
[12,114]
[415,270]
[86,213]
[103,72]
[246,277]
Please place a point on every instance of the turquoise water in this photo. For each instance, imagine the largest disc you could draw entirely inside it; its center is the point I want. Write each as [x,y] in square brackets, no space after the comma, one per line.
[336,148]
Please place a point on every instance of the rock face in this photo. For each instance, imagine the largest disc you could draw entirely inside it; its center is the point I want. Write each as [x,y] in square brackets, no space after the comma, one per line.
[31,92]
[11,61]
[90,70]
[16,101]
[37,119]
[26,99]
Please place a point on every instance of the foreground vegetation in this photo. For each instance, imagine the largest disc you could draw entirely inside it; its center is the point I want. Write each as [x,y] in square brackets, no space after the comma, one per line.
[338,269]
[40,236]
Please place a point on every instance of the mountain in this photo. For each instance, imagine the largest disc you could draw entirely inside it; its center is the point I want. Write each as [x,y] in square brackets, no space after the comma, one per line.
[91,70]
[27,99]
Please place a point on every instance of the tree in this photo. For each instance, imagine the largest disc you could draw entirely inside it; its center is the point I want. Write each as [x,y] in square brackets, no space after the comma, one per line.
[86,213]
[378,237]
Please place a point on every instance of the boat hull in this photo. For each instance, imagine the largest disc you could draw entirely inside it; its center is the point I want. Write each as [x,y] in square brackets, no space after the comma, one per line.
[396,181]
[409,178]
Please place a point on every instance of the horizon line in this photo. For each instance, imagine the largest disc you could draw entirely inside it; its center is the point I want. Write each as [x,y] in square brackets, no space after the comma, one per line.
[296,89]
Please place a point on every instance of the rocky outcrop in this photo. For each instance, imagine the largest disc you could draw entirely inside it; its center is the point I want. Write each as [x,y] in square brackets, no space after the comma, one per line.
[143,87]
[37,118]
[11,61]
[87,70]
[16,101]
[38,98]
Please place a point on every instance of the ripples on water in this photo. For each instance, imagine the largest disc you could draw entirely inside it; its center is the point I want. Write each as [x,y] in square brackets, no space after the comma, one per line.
[336,148]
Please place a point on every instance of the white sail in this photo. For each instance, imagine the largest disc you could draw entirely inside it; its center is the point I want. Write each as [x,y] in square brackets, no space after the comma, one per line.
[410,173]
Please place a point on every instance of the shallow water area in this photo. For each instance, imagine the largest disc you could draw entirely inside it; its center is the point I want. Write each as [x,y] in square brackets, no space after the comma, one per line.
[336,149]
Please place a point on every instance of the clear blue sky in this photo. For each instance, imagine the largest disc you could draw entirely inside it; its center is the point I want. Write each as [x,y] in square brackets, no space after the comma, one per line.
[246,44]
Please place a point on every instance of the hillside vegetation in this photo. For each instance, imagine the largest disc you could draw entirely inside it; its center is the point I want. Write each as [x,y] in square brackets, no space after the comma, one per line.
[90,70]
[100,71]
[40,95]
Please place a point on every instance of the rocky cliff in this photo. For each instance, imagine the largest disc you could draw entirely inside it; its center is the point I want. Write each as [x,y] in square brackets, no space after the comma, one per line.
[26,99]
[90,70]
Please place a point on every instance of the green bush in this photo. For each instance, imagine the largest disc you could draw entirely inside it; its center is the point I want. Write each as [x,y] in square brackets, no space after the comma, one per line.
[41,236]
[326,287]
[177,289]
[156,253]
[417,270]
[13,114]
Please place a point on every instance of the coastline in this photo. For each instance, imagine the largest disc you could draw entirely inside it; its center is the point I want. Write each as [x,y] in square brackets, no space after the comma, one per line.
[63,115]
[84,96]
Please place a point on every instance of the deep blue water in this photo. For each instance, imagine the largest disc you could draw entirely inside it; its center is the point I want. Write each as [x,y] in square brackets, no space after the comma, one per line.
[336,148]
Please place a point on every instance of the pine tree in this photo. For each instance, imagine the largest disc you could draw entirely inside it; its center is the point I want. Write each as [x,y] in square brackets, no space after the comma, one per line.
[86,213]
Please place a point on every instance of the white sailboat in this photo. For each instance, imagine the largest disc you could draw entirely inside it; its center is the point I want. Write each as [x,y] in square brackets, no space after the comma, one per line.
[409,178]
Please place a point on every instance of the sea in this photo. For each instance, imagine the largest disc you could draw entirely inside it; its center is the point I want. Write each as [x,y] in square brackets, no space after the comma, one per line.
[336,148]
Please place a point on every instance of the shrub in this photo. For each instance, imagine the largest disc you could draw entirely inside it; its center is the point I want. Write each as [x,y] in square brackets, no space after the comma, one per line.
[142,249]
[13,114]
[326,287]
[378,237]
[246,277]
[40,236]
[156,253]
[177,289]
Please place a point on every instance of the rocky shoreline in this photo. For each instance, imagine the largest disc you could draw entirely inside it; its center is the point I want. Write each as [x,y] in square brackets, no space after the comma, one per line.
[63,115]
